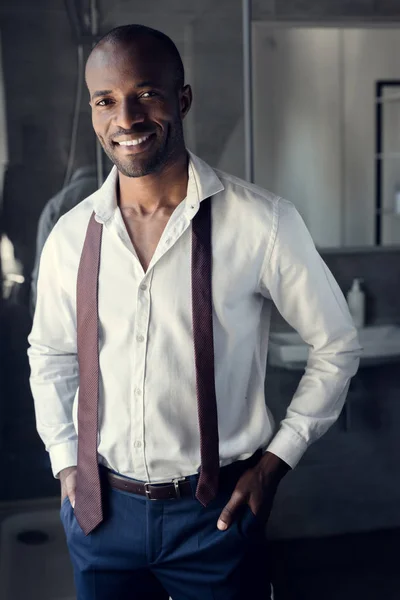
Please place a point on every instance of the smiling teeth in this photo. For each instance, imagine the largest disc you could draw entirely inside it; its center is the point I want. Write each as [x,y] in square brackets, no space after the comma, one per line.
[134,142]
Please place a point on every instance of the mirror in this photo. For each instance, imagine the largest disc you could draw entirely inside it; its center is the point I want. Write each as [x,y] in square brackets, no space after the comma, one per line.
[316,131]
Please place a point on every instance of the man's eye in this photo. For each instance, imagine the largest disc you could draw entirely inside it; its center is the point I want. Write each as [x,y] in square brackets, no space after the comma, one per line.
[104,102]
[148,94]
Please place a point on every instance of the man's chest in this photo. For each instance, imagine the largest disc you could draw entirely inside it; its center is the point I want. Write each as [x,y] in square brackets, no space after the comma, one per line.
[156,278]
[145,235]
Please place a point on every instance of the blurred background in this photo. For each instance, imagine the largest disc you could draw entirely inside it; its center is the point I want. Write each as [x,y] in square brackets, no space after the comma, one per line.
[302,97]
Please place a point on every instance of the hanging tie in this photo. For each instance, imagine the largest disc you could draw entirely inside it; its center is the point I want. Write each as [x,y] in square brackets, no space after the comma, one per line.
[88,504]
[204,353]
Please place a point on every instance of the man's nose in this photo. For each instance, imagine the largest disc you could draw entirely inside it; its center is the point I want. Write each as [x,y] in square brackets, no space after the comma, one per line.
[129,113]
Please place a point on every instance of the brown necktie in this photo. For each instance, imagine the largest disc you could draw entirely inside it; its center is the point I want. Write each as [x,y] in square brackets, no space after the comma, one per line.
[204,353]
[88,504]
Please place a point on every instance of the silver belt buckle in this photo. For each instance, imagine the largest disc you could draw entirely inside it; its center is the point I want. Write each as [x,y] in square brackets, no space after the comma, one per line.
[148,491]
[176,485]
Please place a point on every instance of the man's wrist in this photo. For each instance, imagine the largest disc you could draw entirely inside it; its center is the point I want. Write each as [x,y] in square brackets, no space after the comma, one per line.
[273,468]
[65,472]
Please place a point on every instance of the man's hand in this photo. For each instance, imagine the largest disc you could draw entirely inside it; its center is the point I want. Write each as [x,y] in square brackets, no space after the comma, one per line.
[256,488]
[68,484]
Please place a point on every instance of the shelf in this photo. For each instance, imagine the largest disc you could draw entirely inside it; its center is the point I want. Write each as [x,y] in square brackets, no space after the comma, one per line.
[388,155]
[388,98]
[386,212]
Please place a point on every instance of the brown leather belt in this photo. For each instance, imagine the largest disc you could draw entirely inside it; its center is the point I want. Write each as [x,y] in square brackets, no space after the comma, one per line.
[180,487]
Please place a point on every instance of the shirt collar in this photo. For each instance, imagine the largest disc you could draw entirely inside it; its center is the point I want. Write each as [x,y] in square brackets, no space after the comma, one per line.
[203,183]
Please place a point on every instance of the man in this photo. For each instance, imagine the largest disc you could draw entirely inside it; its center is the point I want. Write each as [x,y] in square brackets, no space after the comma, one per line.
[82,184]
[169,348]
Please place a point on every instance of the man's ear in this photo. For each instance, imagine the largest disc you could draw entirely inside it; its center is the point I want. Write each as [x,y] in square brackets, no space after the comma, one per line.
[186,98]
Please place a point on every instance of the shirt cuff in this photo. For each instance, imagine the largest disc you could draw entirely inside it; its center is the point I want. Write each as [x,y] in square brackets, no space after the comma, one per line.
[63,456]
[288,446]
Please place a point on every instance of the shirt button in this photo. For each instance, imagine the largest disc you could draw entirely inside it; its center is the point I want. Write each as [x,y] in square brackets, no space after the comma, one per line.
[143,287]
[137,444]
[140,338]
[138,392]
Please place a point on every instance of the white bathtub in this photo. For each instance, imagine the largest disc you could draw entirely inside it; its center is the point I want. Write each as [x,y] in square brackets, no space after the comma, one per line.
[40,571]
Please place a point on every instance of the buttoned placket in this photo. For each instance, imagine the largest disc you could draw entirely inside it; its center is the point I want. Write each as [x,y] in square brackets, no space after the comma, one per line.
[176,226]
[140,347]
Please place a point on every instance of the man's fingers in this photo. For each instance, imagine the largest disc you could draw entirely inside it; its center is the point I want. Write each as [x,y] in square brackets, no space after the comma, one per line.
[229,511]
[68,484]
[70,493]
[225,519]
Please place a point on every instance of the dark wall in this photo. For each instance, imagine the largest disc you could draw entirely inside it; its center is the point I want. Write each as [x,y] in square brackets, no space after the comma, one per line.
[40,68]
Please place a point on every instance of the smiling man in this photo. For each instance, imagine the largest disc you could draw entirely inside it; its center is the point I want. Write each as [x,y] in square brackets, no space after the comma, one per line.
[149,346]
[157,78]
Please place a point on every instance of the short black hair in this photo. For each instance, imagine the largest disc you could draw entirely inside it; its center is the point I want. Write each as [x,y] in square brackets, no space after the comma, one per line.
[125,34]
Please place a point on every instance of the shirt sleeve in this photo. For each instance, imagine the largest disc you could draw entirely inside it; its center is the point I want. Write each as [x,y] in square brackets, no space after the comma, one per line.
[53,360]
[297,280]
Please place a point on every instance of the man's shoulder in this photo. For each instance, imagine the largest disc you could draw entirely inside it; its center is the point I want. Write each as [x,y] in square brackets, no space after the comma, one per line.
[247,192]
[73,224]
[247,204]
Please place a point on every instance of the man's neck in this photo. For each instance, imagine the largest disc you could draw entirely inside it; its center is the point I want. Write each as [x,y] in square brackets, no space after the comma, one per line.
[145,195]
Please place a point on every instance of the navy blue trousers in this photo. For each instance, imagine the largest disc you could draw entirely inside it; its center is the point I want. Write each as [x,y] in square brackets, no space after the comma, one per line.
[150,550]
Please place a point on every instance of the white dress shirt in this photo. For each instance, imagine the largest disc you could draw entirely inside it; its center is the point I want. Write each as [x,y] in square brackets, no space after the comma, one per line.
[148,424]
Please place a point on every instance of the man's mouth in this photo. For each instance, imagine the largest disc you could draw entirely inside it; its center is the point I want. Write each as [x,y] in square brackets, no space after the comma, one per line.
[137,145]
[134,142]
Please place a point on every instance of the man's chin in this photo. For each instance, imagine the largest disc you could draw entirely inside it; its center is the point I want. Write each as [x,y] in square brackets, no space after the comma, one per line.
[135,170]
[137,167]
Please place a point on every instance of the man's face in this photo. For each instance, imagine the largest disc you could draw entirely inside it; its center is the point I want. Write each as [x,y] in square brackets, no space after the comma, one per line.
[137,110]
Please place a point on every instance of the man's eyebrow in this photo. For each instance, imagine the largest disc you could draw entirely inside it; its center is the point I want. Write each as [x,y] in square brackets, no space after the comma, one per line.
[139,86]
[101,93]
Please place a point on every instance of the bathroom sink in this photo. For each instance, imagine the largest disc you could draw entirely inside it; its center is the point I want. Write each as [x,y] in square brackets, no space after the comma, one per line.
[380,343]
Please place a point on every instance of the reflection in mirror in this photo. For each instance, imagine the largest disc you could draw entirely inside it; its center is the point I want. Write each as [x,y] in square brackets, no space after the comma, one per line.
[315,127]
[387,161]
